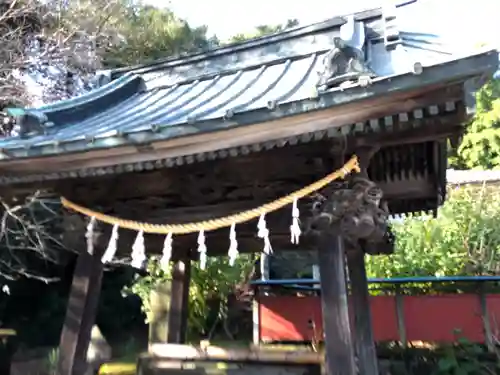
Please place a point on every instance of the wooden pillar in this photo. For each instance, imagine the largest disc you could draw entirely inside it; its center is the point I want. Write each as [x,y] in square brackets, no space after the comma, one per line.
[178,315]
[256,317]
[185,302]
[485,316]
[363,332]
[80,314]
[338,345]
[400,315]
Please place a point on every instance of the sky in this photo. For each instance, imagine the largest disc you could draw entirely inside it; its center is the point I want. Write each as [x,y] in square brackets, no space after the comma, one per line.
[226,18]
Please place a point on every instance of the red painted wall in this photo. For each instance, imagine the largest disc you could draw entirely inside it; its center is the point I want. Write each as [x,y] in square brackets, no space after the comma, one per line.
[427,318]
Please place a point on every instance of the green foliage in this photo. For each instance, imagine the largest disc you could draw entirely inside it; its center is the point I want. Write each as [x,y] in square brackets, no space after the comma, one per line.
[463,239]
[463,359]
[51,361]
[480,147]
[152,33]
[127,33]
[264,30]
[215,283]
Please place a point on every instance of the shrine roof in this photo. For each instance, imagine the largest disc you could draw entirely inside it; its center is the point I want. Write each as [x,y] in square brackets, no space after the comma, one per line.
[248,83]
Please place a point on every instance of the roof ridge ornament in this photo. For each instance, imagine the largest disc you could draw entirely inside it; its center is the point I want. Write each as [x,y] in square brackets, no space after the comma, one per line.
[29,121]
[346,61]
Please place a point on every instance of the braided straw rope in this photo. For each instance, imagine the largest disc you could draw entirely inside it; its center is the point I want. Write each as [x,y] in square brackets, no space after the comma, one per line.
[222,222]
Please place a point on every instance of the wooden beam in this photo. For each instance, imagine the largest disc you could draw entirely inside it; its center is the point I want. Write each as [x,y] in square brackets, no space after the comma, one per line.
[186,284]
[334,306]
[255,166]
[430,129]
[265,167]
[410,188]
[217,241]
[233,178]
[80,314]
[363,332]
[377,106]
[183,245]
[193,213]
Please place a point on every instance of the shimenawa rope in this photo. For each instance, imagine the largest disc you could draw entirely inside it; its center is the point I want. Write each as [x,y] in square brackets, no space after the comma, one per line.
[213,224]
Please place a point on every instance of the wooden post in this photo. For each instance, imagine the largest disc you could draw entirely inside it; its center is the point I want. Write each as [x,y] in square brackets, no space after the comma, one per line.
[178,314]
[400,316]
[80,314]
[256,317]
[485,316]
[338,345]
[264,266]
[185,301]
[363,333]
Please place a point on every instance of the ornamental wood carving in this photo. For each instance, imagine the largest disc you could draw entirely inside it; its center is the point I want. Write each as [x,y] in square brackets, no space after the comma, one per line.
[355,209]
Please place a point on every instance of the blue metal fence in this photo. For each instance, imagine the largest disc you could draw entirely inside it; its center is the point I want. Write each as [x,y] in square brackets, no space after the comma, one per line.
[313,284]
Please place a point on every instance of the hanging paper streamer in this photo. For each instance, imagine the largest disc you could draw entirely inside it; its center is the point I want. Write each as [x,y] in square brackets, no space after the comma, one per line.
[138,251]
[263,233]
[167,252]
[295,227]
[202,249]
[90,235]
[233,245]
[110,252]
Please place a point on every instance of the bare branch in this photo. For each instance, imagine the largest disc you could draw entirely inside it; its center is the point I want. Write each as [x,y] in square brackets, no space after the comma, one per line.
[30,238]
[52,49]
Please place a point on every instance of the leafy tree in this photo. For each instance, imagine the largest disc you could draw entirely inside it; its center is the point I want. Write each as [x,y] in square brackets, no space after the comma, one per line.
[77,38]
[264,30]
[152,33]
[214,284]
[463,240]
[480,147]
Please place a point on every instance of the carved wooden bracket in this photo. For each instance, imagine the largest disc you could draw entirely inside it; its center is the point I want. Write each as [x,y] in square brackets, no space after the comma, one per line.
[355,210]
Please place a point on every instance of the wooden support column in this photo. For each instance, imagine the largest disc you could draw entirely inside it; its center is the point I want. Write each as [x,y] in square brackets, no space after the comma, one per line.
[363,332]
[338,345]
[485,317]
[80,314]
[400,316]
[256,317]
